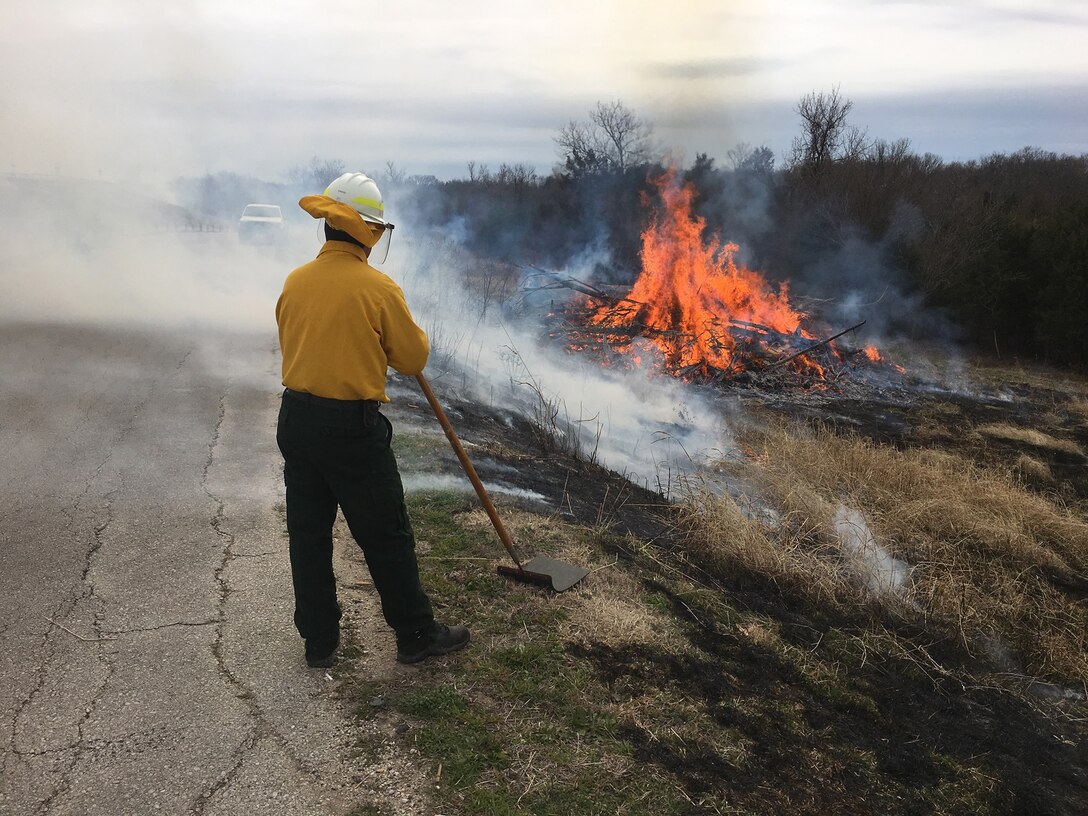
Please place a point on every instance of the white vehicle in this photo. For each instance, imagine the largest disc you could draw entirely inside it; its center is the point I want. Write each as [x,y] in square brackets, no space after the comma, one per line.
[260,224]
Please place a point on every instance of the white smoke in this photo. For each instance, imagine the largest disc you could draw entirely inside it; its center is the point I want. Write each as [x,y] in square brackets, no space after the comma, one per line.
[882,573]
[653,430]
[113,258]
[78,251]
[420,481]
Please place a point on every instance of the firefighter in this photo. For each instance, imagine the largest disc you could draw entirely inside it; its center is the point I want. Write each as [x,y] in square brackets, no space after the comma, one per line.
[341,324]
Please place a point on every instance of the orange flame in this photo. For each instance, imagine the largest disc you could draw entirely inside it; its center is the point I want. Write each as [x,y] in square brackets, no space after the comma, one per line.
[873,353]
[691,292]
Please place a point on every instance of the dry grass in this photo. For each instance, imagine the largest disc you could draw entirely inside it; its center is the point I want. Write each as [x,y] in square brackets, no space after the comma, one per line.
[608,605]
[1030,469]
[983,549]
[795,552]
[1079,407]
[1031,436]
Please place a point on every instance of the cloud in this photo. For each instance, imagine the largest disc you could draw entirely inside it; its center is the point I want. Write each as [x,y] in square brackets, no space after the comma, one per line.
[980,12]
[966,123]
[728,68]
[124,90]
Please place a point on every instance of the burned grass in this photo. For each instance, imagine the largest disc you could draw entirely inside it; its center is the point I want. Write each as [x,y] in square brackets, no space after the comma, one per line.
[837,712]
[1029,423]
[733,659]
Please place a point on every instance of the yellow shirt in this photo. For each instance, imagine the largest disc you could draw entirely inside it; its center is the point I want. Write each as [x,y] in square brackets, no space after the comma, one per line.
[342,323]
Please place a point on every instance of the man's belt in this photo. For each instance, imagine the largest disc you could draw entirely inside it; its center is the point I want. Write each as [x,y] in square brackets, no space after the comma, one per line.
[366,406]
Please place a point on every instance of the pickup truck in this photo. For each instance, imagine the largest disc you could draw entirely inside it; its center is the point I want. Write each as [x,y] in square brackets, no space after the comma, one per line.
[260,224]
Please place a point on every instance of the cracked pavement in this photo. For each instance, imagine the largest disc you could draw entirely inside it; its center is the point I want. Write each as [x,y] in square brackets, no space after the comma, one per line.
[149,663]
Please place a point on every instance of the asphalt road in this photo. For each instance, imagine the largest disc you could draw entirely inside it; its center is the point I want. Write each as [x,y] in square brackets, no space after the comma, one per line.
[148,660]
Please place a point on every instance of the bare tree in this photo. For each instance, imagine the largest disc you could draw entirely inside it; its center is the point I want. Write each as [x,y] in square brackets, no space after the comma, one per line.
[825,135]
[614,138]
[517,176]
[738,154]
[317,174]
[855,144]
[884,152]
[577,148]
[393,175]
[626,136]
[478,173]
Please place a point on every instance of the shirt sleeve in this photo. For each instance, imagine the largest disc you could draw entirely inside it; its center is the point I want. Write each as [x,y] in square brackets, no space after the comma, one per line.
[405,344]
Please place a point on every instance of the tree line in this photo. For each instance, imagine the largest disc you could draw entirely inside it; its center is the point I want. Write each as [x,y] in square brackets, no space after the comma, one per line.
[1000,243]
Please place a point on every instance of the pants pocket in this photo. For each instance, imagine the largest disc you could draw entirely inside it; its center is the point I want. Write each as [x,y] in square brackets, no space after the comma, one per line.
[351,427]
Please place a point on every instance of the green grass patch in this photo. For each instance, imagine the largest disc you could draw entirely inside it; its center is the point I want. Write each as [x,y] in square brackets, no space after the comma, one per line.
[416,445]
[466,747]
[434,519]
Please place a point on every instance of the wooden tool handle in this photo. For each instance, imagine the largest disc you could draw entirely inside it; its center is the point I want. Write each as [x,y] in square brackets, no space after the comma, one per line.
[470,471]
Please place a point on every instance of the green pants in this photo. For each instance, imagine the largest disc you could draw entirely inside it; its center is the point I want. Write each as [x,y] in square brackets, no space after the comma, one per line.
[342,456]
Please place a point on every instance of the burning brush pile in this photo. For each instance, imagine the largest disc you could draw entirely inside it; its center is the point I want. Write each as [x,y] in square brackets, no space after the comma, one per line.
[694,312]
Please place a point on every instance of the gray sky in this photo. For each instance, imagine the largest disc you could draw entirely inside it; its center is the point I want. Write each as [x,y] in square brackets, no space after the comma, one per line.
[126,89]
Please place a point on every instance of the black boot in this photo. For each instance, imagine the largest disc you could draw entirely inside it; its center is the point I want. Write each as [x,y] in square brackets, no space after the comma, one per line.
[321,651]
[438,639]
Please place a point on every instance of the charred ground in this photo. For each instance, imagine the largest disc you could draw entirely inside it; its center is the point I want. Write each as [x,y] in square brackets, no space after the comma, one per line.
[669,685]
[1030,421]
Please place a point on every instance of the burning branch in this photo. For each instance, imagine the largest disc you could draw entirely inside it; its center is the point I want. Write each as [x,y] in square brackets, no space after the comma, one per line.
[559,282]
[814,347]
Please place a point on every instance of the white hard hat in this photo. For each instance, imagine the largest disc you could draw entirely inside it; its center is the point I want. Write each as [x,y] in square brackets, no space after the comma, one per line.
[359,192]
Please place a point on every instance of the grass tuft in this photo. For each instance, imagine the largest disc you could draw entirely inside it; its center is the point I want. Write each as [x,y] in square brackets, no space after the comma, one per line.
[1031,436]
